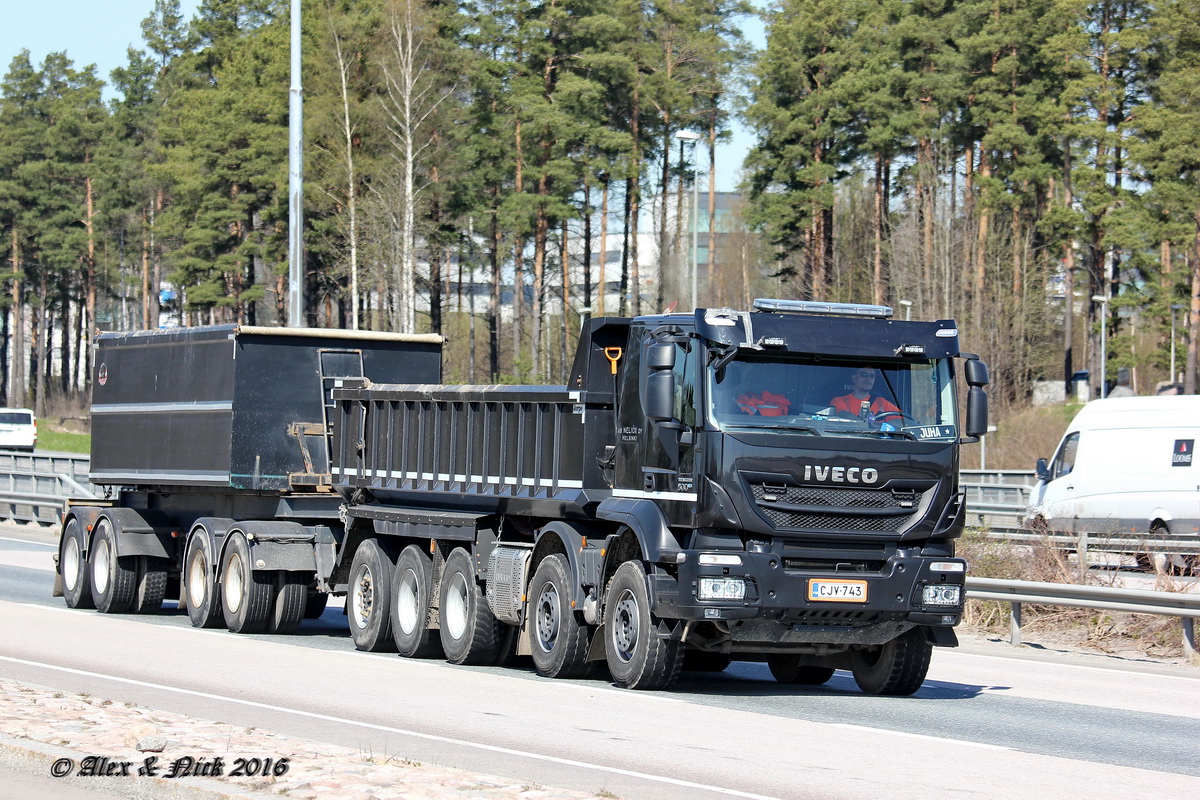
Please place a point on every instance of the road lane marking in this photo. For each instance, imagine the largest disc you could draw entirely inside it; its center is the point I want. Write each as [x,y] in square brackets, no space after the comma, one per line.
[922,736]
[400,731]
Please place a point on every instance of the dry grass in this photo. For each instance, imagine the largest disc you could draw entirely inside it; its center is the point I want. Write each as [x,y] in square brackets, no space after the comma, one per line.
[1022,436]
[1108,632]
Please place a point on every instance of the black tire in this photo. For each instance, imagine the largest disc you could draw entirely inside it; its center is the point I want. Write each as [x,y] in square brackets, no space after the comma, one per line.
[787,669]
[74,568]
[468,631]
[412,591]
[637,657]
[368,599]
[151,585]
[246,593]
[114,578]
[314,604]
[201,592]
[289,600]
[701,661]
[895,669]
[557,638]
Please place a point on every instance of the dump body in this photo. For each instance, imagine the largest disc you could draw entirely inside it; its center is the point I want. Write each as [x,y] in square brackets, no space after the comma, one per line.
[230,407]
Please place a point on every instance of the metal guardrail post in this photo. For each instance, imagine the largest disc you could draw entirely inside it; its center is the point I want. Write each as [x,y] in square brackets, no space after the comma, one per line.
[1014,623]
[1189,638]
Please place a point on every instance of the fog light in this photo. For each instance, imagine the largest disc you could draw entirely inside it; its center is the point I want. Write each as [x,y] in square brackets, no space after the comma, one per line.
[942,594]
[721,589]
[947,566]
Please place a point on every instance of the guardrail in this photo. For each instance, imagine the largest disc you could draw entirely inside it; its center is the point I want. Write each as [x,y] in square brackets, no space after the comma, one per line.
[34,487]
[1134,601]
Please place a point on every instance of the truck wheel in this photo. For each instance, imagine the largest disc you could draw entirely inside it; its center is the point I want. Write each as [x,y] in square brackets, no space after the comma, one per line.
[637,657]
[245,592]
[368,599]
[314,604]
[895,669]
[289,598]
[151,585]
[469,633]
[787,669]
[114,578]
[411,592]
[200,589]
[559,643]
[76,577]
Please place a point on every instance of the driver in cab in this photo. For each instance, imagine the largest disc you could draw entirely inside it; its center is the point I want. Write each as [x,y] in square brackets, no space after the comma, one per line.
[861,402]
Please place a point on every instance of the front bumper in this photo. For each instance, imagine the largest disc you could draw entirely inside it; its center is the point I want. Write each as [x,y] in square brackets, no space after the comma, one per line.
[781,605]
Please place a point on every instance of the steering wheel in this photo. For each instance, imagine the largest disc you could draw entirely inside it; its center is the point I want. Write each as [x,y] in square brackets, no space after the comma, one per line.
[887,413]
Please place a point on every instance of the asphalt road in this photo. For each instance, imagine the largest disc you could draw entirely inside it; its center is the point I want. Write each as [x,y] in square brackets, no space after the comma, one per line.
[991,721]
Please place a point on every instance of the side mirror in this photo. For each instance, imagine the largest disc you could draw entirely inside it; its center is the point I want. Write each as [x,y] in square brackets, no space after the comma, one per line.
[660,356]
[1042,469]
[660,395]
[977,410]
[977,372]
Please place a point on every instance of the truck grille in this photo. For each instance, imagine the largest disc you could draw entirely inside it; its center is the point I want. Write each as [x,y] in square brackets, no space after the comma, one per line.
[824,508]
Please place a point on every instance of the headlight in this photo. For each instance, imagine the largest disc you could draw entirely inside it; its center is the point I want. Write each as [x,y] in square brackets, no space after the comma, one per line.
[721,589]
[942,594]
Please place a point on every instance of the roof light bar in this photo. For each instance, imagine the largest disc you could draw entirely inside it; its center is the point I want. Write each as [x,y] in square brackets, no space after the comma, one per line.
[813,307]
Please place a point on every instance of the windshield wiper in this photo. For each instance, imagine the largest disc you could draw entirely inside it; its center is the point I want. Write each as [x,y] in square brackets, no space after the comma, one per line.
[796,428]
[864,432]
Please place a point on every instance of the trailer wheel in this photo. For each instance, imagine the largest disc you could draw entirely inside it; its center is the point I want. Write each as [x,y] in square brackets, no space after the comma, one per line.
[559,643]
[200,588]
[245,592]
[114,578]
[895,669]
[787,669]
[289,600]
[368,599]
[469,633]
[76,577]
[411,594]
[637,657]
[151,585]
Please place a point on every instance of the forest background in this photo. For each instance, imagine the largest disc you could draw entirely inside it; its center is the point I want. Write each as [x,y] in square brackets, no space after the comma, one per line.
[1024,166]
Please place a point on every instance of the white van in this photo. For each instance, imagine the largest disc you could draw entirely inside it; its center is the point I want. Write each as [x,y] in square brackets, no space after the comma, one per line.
[1124,466]
[18,429]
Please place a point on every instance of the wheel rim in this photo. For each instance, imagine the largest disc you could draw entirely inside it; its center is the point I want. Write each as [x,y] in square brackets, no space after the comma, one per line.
[406,602]
[626,620]
[235,583]
[363,597]
[456,606]
[197,579]
[100,566]
[70,565]
[547,618]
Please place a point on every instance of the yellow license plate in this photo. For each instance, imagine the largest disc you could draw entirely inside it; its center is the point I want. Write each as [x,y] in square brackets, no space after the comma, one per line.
[837,591]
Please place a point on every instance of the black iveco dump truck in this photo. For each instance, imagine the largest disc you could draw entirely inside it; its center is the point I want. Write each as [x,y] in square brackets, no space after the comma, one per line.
[775,485]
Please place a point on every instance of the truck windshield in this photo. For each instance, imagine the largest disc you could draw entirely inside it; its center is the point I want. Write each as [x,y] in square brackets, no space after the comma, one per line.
[911,399]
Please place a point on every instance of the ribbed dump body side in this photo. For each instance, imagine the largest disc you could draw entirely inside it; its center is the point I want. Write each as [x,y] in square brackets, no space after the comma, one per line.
[478,448]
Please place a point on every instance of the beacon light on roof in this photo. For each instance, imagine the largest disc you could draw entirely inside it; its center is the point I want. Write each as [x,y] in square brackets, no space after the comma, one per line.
[829,309]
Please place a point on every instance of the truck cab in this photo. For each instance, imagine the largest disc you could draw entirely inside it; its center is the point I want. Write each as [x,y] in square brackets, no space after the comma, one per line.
[804,457]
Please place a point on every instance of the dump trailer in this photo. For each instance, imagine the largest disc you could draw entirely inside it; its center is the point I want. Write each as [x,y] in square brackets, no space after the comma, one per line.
[777,485]
[211,447]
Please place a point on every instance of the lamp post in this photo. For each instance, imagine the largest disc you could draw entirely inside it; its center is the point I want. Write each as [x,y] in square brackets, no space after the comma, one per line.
[1103,301]
[907,309]
[1173,310]
[693,137]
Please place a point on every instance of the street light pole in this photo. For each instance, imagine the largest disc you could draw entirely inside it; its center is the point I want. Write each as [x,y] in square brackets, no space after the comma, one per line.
[1103,301]
[693,137]
[907,309]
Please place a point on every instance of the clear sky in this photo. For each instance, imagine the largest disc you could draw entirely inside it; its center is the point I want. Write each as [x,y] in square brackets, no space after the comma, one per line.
[99,32]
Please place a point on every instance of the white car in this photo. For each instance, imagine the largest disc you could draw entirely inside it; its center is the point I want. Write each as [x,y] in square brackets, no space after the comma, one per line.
[18,429]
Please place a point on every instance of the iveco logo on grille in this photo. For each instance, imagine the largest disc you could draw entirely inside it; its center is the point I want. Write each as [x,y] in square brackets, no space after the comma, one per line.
[841,474]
